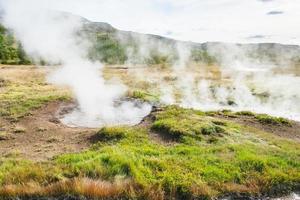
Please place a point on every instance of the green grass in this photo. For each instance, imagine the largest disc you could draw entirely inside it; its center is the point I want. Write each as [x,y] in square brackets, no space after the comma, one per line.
[240,160]
[262,118]
[180,123]
[18,98]
[266,119]
[144,96]
[245,113]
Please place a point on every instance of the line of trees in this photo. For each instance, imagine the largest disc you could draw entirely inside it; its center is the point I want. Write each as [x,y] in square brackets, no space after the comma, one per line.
[11,51]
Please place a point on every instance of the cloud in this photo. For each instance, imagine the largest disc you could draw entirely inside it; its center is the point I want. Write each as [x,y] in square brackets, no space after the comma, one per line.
[275,12]
[168,33]
[257,36]
[265,0]
[222,20]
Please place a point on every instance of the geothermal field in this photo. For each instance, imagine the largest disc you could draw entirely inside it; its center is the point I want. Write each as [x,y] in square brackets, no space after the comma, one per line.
[90,111]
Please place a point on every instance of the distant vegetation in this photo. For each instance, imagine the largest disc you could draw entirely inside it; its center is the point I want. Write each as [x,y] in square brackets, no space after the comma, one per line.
[11,51]
[112,46]
[107,49]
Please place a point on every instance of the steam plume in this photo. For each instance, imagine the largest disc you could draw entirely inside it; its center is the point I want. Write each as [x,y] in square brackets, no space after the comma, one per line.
[53,36]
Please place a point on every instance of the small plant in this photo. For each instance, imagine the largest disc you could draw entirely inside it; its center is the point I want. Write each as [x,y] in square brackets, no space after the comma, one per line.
[211,129]
[267,119]
[220,123]
[245,113]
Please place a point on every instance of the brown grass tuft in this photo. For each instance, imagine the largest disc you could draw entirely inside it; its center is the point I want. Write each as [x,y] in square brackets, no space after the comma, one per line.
[77,187]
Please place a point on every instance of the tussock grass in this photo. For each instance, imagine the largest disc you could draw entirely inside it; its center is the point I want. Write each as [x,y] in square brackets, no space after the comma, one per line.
[73,187]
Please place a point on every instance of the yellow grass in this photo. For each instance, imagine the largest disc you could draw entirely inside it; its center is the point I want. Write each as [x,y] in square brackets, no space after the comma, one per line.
[77,187]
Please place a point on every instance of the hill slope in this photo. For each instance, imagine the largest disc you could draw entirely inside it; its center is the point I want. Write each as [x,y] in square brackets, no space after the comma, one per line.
[113,46]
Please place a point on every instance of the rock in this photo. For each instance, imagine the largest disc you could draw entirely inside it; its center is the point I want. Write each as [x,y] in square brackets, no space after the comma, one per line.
[19,129]
[54,120]
[3,135]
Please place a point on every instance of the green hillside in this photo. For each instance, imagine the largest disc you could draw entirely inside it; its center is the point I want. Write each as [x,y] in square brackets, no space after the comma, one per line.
[112,46]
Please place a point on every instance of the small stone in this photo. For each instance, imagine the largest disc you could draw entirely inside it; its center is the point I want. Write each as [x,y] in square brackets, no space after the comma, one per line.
[19,129]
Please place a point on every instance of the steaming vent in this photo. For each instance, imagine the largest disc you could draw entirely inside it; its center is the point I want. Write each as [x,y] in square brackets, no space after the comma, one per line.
[72,116]
[258,86]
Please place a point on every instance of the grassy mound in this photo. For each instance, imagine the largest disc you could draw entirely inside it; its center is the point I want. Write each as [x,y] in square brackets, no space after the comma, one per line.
[211,157]
[184,124]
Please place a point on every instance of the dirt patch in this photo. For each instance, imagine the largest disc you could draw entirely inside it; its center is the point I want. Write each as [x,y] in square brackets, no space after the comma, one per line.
[291,131]
[158,137]
[40,136]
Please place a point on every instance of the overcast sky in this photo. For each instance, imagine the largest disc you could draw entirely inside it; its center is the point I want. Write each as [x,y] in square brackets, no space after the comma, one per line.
[194,20]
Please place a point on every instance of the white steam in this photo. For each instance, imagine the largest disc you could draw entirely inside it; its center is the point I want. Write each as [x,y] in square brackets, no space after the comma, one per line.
[237,82]
[244,83]
[53,37]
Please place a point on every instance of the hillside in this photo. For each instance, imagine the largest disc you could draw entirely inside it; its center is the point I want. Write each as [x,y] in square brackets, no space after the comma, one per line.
[11,51]
[112,46]
[116,47]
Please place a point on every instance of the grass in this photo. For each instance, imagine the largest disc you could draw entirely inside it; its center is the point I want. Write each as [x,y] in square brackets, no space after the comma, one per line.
[26,90]
[73,187]
[209,157]
[262,118]
[267,119]
[188,124]
[239,160]
[143,96]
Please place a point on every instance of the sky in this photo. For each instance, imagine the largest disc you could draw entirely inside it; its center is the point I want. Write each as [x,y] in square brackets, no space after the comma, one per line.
[243,21]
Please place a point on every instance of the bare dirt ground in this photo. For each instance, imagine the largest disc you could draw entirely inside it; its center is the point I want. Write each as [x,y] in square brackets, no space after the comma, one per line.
[40,136]
[158,137]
